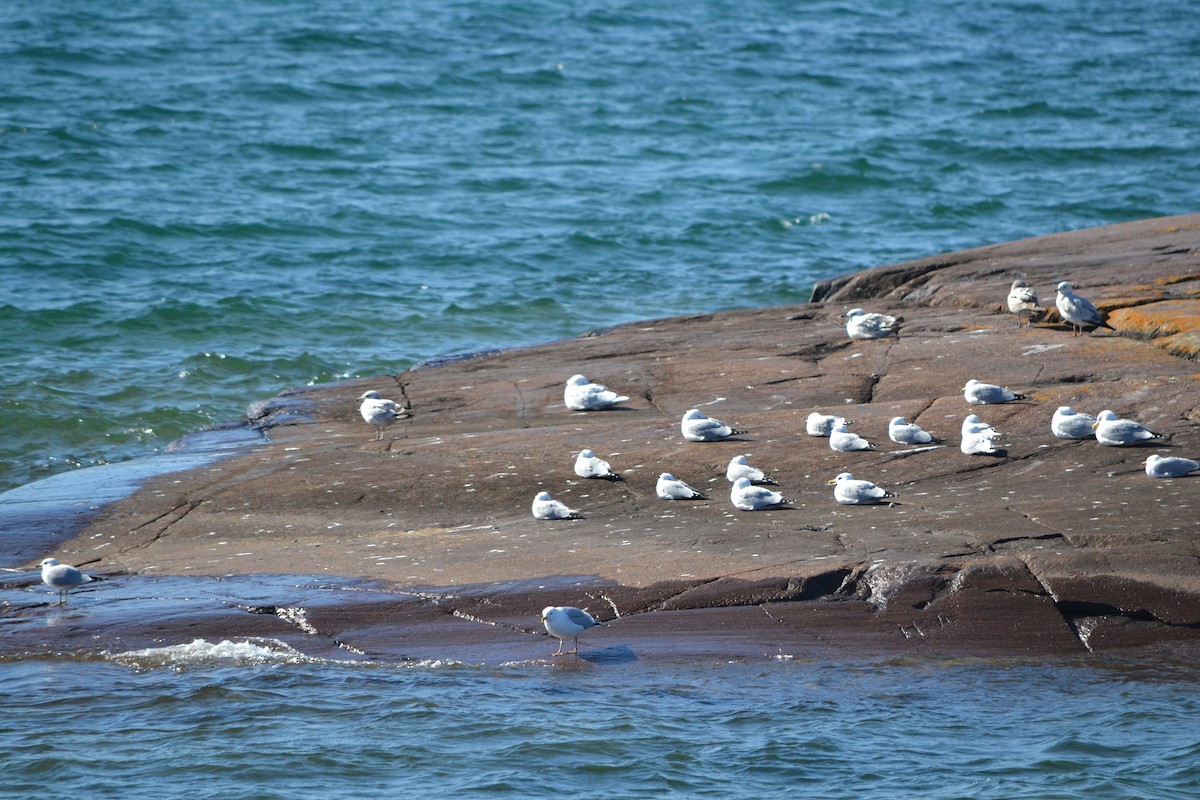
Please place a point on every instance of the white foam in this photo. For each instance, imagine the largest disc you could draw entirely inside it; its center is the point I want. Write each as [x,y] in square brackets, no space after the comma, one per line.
[200,652]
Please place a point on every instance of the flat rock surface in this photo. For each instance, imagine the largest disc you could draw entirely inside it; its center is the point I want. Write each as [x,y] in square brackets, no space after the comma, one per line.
[1053,547]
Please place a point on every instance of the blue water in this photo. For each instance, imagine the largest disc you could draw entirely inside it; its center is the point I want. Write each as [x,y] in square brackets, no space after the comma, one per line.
[239,724]
[206,203]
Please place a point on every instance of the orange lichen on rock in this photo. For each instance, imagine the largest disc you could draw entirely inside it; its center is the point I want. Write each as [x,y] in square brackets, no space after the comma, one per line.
[1171,324]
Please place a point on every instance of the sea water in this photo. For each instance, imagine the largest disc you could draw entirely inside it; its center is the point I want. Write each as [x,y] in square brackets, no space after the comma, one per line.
[226,720]
[206,203]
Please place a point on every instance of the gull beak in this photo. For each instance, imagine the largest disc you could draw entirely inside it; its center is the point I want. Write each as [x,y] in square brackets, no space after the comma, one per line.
[830,483]
[1095,425]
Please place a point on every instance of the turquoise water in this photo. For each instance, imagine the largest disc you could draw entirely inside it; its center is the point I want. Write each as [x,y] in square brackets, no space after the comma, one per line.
[206,203]
[246,723]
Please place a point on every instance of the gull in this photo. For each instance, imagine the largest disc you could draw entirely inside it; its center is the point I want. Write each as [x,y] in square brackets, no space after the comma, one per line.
[739,467]
[546,507]
[980,443]
[869,325]
[903,432]
[819,424]
[696,427]
[1023,302]
[842,440]
[748,497]
[850,491]
[567,622]
[62,577]
[1078,311]
[1067,423]
[380,413]
[1170,467]
[981,394]
[582,395]
[974,425]
[588,465]
[1113,431]
[669,487]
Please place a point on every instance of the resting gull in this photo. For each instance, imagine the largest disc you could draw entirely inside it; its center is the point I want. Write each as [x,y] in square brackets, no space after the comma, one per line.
[1114,431]
[819,424]
[842,440]
[869,324]
[849,491]
[1067,423]
[696,427]
[546,507]
[669,487]
[589,465]
[581,394]
[748,497]
[903,432]
[982,394]
[1170,466]
[739,467]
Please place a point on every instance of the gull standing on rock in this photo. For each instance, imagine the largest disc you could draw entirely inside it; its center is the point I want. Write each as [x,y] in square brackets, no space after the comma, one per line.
[748,497]
[739,467]
[850,491]
[567,622]
[1023,302]
[1170,467]
[869,324]
[588,465]
[819,424]
[546,507]
[669,487]
[902,432]
[62,577]
[581,394]
[696,427]
[981,394]
[1114,431]
[380,413]
[1067,423]
[1078,311]
[842,440]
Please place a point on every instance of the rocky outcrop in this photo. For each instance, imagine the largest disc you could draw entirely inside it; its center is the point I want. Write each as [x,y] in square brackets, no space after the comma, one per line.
[1054,546]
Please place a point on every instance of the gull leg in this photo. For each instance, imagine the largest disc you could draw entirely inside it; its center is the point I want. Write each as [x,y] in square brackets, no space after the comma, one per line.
[576,650]
[559,651]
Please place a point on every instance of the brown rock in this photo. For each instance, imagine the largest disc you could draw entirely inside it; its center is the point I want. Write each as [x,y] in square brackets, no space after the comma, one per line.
[1050,548]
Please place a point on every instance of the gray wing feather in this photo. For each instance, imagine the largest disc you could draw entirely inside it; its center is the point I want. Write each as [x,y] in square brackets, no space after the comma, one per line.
[581,617]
